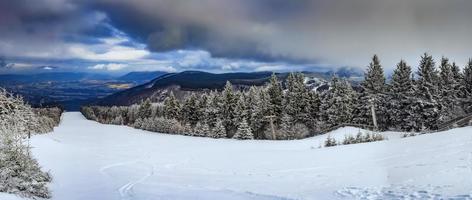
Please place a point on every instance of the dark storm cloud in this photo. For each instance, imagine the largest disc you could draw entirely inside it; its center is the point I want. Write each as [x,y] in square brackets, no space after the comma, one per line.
[344,32]
[331,33]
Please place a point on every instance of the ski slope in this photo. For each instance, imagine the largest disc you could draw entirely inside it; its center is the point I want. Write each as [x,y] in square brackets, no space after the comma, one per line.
[93,161]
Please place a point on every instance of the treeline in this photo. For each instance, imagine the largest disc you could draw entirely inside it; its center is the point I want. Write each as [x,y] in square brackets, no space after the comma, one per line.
[19,172]
[408,102]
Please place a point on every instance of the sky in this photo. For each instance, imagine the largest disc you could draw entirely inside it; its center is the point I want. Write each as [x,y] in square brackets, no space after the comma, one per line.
[116,36]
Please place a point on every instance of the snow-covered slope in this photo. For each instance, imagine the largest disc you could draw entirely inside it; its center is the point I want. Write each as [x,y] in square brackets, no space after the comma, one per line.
[94,161]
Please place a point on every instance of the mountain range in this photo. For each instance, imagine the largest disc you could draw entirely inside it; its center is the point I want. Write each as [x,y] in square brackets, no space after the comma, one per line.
[73,89]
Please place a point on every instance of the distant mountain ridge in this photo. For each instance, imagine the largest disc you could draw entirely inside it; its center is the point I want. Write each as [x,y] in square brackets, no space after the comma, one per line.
[181,84]
[141,77]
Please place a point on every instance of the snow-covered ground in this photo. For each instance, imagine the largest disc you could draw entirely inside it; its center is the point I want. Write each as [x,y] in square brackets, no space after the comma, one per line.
[92,161]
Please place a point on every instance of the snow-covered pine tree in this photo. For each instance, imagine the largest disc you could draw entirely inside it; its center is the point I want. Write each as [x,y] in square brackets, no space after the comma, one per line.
[201,129]
[241,110]
[244,131]
[189,112]
[402,99]
[467,82]
[374,81]
[428,106]
[228,112]
[132,113]
[458,80]
[450,106]
[401,92]
[275,92]
[202,104]
[373,94]
[427,82]
[19,172]
[171,107]
[256,115]
[338,103]
[219,130]
[467,87]
[145,109]
[314,109]
[296,98]
[212,110]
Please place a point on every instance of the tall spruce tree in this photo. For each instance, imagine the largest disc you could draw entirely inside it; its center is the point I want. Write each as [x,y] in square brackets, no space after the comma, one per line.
[189,112]
[211,110]
[467,80]
[296,98]
[374,82]
[401,98]
[458,80]
[373,94]
[228,111]
[145,110]
[467,87]
[256,111]
[427,105]
[171,107]
[314,109]
[218,131]
[275,93]
[448,92]
[244,131]
[339,103]
[427,78]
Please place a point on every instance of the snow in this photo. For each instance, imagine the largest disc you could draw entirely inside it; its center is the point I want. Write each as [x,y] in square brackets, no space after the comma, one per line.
[89,160]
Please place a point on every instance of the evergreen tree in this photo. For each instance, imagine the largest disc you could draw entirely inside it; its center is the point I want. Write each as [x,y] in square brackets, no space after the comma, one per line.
[171,107]
[296,98]
[228,111]
[202,106]
[427,78]
[401,79]
[467,87]
[314,109]
[467,80]
[338,103]
[212,110]
[219,130]
[244,131]
[402,98]
[447,91]
[190,109]
[374,82]
[373,95]
[145,110]
[427,105]
[458,80]
[241,110]
[201,129]
[275,93]
[256,112]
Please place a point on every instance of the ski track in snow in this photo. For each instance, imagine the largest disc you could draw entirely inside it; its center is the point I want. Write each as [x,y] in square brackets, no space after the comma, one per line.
[126,191]
[94,161]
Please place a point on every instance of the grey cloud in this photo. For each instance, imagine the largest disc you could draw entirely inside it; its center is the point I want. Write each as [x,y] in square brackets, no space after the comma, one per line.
[341,32]
[334,32]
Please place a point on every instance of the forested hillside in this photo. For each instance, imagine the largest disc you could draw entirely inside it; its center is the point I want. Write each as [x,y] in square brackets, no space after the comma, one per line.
[20,173]
[410,101]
